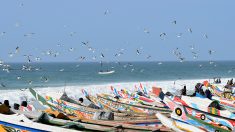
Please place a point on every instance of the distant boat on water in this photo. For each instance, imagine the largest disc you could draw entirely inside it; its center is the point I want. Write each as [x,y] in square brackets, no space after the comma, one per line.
[106,72]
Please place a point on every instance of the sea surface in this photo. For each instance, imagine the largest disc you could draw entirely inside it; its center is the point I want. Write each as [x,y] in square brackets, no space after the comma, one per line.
[56,77]
[79,74]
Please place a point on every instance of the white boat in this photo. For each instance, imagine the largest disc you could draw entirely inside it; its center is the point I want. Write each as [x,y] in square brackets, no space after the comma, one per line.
[177,126]
[18,122]
[106,72]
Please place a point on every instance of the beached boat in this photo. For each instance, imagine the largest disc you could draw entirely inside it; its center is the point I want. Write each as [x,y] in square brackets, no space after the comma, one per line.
[219,91]
[149,101]
[20,123]
[127,107]
[100,125]
[195,112]
[81,112]
[128,103]
[177,126]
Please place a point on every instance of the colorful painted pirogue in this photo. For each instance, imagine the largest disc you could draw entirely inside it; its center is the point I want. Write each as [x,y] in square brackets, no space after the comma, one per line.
[81,112]
[207,113]
[221,92]
[71,109]
[122,105]
[144,100]
[19,123]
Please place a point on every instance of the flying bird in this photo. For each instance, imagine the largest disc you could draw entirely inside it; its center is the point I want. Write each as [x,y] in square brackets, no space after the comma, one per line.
[190,30]
[102,55]
[146,31]
[106,12]
[17,49]
[162,34]
[137,52]
[179,35]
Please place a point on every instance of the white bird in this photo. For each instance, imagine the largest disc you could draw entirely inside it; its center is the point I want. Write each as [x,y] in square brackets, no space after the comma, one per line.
[106,12]
[102,55]
[179,35]
[2,33]
[17,49]
[190,30]
[37,59]
[72,33]
[146,31]
[29,34]
[11,54]
[18,77]
[71,49]
[162,34]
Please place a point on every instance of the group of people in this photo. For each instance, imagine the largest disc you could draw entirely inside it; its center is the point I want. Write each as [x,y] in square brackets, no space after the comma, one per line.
[217,80]
[199,89]
[5,108]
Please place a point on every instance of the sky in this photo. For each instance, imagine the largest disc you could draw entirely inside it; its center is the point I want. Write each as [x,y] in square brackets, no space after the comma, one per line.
[48,28]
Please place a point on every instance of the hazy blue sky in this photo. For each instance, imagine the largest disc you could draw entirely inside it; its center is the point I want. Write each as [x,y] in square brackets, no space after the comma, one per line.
[123,26]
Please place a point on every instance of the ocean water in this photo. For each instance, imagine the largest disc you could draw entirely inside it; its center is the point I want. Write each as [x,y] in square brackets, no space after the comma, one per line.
[53,78]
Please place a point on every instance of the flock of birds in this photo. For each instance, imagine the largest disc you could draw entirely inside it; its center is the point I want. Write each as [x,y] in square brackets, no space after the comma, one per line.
[96,55]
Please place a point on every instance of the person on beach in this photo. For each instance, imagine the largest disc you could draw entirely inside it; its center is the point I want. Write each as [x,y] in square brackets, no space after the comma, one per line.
[184,91]
[5,107]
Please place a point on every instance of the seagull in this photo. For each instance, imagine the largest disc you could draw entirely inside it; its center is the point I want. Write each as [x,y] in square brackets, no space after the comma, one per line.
[102,55]
[17,24]
[162,34]
[23,89]
[192,47]
[206,36]
[72,33]
[190,30]
[11,54]
[179,35]
[17,49]
[137,52]
[3,33]
[159,63]
[211,51]
[106,12]
[200,65]
[82,58]
[85,43]
[30,82]
[3,85]
[28,58]
[29,34]
[94,57]
[71,49]
[149,56]
[146,31]
[37,59]
[19,77]
[61,70]
[174,22]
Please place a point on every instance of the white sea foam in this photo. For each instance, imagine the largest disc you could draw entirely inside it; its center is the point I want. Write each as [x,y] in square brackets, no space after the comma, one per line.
[75,91]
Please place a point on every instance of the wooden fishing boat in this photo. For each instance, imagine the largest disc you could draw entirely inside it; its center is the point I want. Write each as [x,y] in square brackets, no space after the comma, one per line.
[212,119]
[98,125]
[149,101]
[127,103]
[20,123]
[81,112]
[177,125]
[220,92]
